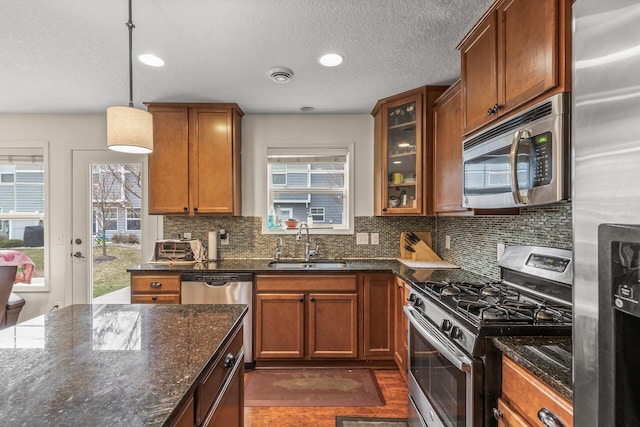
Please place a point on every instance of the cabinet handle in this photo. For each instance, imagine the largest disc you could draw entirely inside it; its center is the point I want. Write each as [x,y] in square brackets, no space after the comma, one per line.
[312,299]
[229,360]
[549,419]
[494,109]
[195,209]
[490,111]
[384,209]
[301,299]
[154,298]
[155,285]
[186,208]
[497,413]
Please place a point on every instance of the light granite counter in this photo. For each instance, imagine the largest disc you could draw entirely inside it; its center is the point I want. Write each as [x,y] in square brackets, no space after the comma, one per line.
[109,365]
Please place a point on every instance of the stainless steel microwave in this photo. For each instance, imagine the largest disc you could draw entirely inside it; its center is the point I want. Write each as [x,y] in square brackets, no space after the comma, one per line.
[522,161]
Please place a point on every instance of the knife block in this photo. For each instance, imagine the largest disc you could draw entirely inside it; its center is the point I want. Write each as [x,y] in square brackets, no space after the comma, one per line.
[421,249]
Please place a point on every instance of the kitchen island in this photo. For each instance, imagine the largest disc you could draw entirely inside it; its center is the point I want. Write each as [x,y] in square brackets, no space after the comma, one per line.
[120,365]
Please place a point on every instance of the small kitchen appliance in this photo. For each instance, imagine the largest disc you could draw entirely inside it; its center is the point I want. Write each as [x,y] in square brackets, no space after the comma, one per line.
[453,312]
[521,161]
[178,251]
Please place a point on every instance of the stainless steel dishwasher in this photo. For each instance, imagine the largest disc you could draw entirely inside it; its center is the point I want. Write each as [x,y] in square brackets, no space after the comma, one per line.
[223,288]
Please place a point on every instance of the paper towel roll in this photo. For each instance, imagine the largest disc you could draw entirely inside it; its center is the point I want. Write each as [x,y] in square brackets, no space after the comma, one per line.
[213,245]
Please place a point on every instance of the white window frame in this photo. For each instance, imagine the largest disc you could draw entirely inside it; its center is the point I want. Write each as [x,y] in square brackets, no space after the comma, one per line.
[322,211]
[38,284]
[129,218]
[299,153]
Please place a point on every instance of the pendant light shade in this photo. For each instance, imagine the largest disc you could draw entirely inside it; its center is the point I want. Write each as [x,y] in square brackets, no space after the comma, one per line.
[129,130]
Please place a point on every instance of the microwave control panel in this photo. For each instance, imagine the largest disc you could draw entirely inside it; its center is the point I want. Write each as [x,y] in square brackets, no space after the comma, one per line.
[542,171]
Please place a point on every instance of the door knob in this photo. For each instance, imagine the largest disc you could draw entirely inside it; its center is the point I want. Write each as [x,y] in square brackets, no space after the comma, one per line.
[78,255]
[78,241]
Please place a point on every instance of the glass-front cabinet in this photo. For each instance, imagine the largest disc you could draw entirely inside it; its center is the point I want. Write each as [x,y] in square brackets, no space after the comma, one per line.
[402,154]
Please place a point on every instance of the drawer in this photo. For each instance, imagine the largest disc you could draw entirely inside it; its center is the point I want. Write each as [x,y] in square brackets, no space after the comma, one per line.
[155,299]
[307,282]
[527,394]
[158,283]
[215,377]
[186,416]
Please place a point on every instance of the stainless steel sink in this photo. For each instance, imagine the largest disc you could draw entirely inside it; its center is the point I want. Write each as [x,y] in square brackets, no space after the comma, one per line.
[307,265]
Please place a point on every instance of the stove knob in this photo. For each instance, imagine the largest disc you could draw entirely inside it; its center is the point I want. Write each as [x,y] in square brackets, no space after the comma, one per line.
[455,333]
[446,325]
[412,297]
[417,302]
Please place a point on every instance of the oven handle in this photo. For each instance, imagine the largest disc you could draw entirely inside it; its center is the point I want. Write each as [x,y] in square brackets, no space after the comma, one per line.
[457,358]
[513,160]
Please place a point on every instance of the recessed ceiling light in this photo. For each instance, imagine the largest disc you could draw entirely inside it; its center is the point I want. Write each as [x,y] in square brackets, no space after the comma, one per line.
[281,74]
[331,59]
[151,60]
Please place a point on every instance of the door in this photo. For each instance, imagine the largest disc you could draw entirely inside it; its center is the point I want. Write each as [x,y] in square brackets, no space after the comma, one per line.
[280,326]
[106,221]
[333,326]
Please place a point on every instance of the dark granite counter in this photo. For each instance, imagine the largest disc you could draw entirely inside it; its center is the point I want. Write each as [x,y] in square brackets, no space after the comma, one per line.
[548,358]
[108,365]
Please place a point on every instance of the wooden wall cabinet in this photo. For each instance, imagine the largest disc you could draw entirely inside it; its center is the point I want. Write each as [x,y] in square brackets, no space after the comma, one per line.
[403,152]
[401,353]
[195,164]
[524,395]
[379,316]
[155,288]
[306,316]
[516,55]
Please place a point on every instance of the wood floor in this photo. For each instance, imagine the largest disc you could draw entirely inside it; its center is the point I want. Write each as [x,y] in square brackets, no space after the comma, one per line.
[391,383]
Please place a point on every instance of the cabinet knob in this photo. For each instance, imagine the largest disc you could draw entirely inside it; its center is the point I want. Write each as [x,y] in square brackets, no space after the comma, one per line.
[301,299]
[490,111]
[186,208]
[384,209]
[155,285]
[497,413]
[154,298]
[195,209]
[549,419]
[312,299]
[229,360]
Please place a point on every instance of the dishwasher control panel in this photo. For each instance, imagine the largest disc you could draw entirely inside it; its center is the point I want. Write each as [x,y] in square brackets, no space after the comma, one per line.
[216,277]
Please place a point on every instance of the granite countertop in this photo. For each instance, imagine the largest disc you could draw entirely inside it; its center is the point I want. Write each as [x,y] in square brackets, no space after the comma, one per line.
[109,365]
[548,358]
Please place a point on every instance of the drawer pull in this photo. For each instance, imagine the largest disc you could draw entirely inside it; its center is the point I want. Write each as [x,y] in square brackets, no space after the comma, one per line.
[229,360]
[497,413]
[154,298]
[549,419]
[155,285]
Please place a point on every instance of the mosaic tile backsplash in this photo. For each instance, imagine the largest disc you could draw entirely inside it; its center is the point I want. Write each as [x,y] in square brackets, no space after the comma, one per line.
[473,239]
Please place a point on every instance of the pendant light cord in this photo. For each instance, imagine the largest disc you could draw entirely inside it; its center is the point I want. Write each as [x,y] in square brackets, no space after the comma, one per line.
[130,25]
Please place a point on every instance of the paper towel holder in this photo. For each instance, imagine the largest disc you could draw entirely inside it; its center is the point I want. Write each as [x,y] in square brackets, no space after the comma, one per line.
[212,246]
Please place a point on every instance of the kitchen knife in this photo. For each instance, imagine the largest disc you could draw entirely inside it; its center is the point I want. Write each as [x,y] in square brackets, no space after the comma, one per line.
[409,248]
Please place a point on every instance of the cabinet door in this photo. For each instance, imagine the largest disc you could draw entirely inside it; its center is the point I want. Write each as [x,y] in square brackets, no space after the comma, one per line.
[402,148]
[401,352]
[229,409]
[333,326]
[379,323]
[528,57]
[507,417]
[479,74]
[448,152]
[212,160]
[169,162]
[279,326]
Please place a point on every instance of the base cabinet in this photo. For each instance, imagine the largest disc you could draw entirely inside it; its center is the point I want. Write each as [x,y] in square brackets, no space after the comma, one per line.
[401,352]
[319,321]
[378,314]
[525,397]
[155,288]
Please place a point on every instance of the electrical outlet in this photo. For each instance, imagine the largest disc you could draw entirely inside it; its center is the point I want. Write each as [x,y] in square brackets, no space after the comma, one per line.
[375,238]
[224,238]
[447,242]
[362,238]
[186,236]
[500,251]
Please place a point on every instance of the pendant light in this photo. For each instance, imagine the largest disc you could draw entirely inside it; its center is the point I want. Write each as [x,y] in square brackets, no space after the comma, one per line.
[129,130]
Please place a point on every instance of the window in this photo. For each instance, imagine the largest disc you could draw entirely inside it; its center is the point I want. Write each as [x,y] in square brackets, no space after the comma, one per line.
[133,218]
[310,181]
[317,214]
[22,206]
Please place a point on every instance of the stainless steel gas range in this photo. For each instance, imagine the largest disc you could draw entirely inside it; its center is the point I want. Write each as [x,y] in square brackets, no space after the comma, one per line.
[452,380]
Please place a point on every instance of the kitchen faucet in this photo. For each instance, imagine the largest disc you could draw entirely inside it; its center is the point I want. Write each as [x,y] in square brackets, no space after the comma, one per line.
[278,250]
[308,253]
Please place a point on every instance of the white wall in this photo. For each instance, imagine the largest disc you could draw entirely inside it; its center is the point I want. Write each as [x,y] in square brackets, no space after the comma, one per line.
[294,130]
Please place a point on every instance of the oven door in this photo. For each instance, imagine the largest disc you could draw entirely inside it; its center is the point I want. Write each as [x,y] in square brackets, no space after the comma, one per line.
[444,383]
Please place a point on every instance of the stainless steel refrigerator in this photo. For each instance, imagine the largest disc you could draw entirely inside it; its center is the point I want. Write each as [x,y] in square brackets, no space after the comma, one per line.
[606,190]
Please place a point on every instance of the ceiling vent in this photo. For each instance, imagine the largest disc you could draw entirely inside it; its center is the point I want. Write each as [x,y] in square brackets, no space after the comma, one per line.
[281,74]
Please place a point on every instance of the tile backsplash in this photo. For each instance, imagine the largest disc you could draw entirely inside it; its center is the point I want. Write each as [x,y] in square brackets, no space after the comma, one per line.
[473,239]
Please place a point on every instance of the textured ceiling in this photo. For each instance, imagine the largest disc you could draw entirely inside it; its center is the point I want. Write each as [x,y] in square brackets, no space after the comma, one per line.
[71,56]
